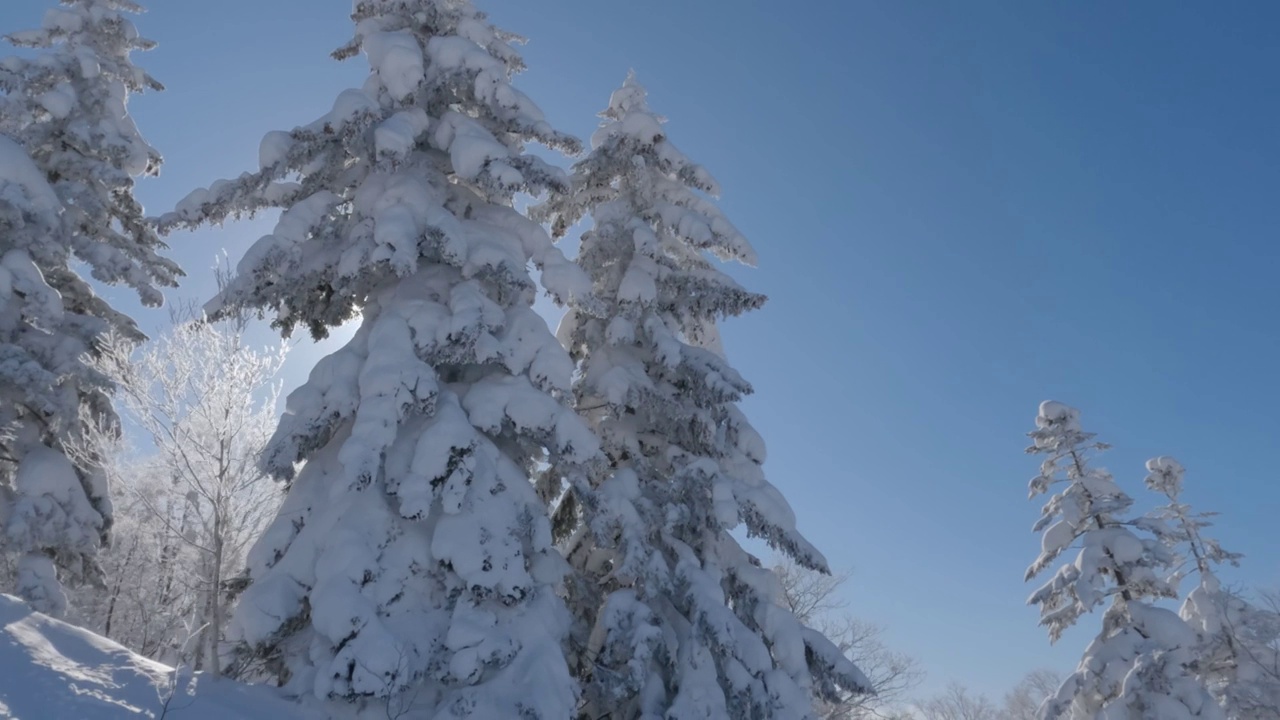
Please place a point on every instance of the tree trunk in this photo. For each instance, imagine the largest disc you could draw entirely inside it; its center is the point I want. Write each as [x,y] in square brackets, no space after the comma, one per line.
[215,596]
[115,591]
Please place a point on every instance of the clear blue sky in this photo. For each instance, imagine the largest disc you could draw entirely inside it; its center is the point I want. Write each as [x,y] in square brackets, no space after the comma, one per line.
[960,210]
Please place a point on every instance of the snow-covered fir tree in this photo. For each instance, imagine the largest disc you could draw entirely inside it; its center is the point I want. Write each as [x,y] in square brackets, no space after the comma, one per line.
[69,153]
[411,569]
[1142,664]
[673,618]
[1238,658]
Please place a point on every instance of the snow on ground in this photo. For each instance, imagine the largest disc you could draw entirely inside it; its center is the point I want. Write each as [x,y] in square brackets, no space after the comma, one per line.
[50,670]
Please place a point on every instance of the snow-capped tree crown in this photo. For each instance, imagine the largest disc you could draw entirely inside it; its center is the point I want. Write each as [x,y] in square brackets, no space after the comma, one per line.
[435,135]
[635,171]
[1165,476]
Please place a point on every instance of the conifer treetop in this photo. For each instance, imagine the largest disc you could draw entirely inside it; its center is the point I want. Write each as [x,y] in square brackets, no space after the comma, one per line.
[436,134]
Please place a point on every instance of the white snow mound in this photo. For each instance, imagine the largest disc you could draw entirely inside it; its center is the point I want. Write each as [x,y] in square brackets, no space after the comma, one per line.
[55,671]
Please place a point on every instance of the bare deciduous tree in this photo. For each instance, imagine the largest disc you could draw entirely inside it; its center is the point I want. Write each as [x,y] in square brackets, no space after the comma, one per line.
[957,703]
[150,578]
[815,600]
[1271,599]
[202,403]
[1023,701]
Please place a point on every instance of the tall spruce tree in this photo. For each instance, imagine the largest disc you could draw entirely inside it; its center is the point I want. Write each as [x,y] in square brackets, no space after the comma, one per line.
[674,619]
[1238,658]
[411,569]
[1142,664]
[69,153]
